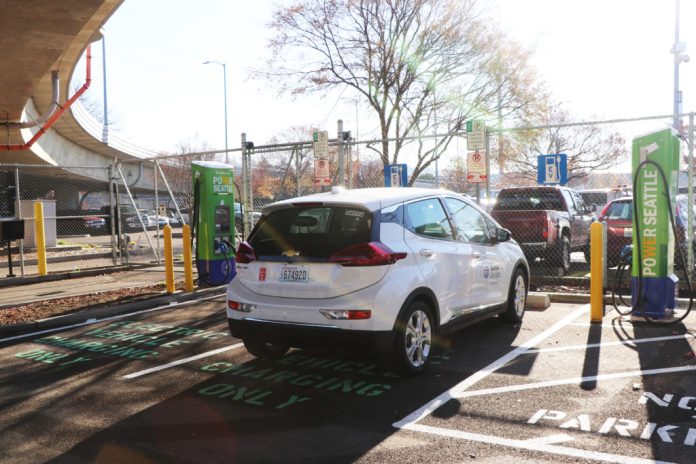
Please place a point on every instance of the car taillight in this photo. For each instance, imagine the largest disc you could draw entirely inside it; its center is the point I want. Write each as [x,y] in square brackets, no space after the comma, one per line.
[243,307]
[346,314]
[366,254]
[604,211]
[245,254]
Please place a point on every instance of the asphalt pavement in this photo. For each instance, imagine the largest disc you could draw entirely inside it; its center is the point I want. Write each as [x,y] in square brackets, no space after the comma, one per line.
[171,385]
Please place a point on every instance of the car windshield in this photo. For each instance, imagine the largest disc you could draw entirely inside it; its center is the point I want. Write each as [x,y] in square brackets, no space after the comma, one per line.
[594,198]
[311,232]
[619,210]
[529,199]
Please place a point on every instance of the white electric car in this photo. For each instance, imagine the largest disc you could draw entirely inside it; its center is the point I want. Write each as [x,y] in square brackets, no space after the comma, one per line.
[382,269]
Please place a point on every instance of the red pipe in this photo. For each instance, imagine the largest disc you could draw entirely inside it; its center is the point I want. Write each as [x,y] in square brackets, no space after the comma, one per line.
[47,125]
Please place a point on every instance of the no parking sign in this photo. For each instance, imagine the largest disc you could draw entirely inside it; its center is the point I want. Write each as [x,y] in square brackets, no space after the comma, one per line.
[322,173]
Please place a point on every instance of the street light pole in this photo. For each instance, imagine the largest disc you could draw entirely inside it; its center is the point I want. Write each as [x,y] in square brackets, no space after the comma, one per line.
[679,57]
[224,86]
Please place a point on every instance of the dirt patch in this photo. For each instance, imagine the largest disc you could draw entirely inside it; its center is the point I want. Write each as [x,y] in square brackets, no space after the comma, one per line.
[55,307]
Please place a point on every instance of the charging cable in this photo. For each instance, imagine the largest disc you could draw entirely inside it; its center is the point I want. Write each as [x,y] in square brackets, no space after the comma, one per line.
[627,258]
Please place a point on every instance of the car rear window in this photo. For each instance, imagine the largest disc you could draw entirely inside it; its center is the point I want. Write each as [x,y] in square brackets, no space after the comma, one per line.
[619,210]
[311,232]
[529,199]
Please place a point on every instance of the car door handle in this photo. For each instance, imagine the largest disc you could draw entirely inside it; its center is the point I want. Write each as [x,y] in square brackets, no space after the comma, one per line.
[426,253]
[476,255]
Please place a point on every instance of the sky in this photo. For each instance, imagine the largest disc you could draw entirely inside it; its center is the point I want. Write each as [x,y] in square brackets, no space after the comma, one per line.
[601,60]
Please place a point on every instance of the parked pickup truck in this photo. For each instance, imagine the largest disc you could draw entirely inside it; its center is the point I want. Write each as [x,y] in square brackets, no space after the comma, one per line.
[547,222]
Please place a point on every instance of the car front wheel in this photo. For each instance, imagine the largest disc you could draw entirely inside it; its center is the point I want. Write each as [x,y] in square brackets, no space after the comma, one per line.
[414,338]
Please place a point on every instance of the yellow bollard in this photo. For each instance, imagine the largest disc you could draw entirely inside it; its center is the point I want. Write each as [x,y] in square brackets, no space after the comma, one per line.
[40,237]
[168,259]
[188,262]
[596,273]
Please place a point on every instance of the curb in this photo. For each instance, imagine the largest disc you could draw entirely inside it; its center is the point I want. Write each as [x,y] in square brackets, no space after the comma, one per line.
[538,301]
[105,311]
[578,298]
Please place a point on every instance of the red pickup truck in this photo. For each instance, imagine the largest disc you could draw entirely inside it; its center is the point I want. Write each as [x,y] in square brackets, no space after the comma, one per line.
[547,222]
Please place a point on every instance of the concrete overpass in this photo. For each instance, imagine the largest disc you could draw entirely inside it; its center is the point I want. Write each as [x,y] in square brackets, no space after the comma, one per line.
[39,38]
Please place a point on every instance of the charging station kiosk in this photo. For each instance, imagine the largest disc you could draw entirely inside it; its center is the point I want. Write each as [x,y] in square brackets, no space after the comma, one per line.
[654,283]
[213,219]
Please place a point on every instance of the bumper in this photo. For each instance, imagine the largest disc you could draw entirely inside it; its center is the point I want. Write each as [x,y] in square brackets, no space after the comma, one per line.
[535,248]
[312,336]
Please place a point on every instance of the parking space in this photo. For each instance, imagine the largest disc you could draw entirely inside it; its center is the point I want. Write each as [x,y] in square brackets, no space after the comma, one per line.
[615,392]
[171,384]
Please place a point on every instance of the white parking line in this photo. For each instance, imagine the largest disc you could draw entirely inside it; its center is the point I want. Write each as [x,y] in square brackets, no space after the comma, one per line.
[632,343]
[435,403]
[573,380]
[182,361]
[531,445]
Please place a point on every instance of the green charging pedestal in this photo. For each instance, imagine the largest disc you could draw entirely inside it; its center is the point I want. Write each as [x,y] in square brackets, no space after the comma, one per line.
[653,280]
[213,188]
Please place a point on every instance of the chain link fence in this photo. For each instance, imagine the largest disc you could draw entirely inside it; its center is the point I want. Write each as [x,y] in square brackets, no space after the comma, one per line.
[105,216]
[75,204]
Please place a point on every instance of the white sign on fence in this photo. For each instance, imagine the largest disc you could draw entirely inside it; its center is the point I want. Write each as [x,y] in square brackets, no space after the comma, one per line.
[321,144]
[475,135]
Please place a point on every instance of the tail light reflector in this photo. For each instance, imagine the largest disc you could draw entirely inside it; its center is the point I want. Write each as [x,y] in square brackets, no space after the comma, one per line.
[366,254]
[245,253]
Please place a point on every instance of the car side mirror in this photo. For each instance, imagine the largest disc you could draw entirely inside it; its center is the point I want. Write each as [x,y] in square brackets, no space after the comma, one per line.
[503,235]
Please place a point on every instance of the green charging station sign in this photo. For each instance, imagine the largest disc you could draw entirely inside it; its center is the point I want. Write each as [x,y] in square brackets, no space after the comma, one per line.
[653,199]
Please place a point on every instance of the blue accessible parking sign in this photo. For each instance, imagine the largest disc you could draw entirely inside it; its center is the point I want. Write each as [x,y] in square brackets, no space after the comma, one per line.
[552,169]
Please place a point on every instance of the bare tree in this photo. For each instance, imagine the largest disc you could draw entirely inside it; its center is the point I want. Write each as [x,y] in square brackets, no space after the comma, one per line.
[296,163]
[420,65]
[589,148]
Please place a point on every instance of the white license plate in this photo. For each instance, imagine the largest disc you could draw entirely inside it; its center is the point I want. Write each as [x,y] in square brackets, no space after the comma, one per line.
[628,232]
[294,274]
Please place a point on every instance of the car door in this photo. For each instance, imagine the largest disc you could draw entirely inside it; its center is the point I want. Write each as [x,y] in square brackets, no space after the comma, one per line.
[488,282]
[444,262]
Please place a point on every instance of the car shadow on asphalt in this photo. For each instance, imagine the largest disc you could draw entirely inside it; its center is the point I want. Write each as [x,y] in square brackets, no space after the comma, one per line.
[305,407]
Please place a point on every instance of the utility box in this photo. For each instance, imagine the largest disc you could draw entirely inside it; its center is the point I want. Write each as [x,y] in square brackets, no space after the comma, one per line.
[11,229]
[50,230]
[213,188]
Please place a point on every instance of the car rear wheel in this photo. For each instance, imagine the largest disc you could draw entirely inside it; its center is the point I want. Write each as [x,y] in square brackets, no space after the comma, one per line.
[264,349]
[517,298]
[414,338]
